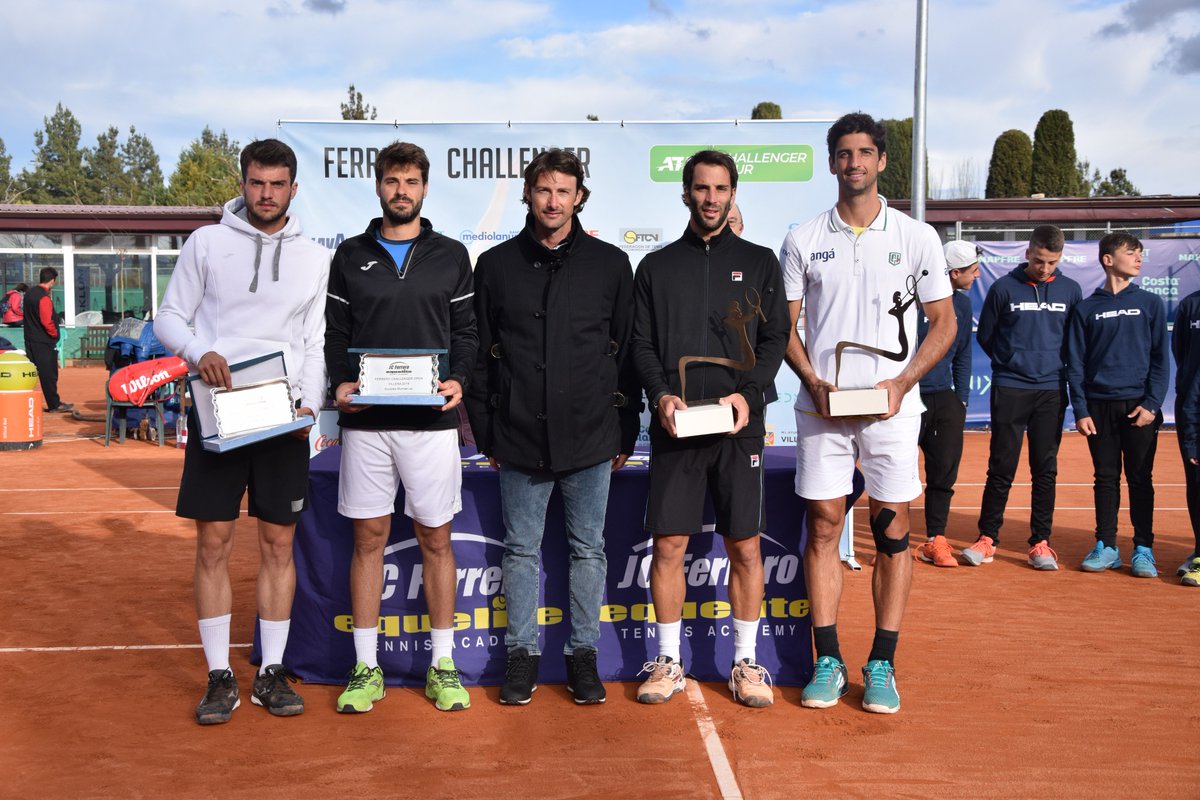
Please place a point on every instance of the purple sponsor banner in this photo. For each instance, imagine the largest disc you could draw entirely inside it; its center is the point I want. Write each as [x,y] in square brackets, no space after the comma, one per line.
[1170,269]
[321,649]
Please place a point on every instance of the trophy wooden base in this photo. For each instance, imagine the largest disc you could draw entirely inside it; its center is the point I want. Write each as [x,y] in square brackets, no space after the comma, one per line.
[858,402]
[703,417]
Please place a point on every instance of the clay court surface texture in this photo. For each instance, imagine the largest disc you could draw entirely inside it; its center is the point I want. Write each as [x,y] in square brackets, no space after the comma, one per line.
[1014,683]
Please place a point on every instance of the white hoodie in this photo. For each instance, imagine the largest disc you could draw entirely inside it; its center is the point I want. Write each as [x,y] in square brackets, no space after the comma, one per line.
[249,294]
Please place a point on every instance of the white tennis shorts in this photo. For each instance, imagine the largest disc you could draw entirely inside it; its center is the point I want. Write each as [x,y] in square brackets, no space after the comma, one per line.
[885,450]
[376,463]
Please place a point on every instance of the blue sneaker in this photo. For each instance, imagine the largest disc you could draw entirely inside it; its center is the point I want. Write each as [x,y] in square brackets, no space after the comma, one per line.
[879,680]
[828,684]
[1101,558]
[1142,564]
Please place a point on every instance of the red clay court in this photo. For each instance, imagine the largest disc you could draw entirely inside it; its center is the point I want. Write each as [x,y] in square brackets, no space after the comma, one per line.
[1015,683]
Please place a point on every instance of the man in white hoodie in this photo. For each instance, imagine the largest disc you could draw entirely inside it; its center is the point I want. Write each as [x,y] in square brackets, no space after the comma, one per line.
[249,286]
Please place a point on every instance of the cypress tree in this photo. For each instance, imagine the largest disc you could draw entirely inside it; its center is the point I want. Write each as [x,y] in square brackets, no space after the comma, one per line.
[1011,165]
[1055,169]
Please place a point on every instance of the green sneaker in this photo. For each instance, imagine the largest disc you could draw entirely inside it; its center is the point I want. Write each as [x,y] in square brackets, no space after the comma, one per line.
[443,686]
[363,691]
[879,680]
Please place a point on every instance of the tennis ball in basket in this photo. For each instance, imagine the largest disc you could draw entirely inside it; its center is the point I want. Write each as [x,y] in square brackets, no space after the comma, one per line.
[17,372]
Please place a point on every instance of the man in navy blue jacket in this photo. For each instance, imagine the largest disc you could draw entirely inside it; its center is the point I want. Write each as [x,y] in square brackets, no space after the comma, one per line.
[1185,344]
[1117,370]
[945,390]
[1021,329]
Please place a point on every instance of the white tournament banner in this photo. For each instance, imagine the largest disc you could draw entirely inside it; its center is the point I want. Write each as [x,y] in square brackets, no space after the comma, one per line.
[633,169]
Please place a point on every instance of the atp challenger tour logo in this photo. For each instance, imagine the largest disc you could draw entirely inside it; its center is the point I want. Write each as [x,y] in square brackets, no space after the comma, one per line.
[774,163]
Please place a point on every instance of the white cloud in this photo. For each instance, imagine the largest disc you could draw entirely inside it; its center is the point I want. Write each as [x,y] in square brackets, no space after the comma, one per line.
[993,65]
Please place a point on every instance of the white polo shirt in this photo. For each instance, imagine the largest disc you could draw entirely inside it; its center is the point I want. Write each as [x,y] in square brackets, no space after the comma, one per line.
[847,282]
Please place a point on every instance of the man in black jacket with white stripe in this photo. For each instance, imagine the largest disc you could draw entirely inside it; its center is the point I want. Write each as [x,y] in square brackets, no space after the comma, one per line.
[400,285]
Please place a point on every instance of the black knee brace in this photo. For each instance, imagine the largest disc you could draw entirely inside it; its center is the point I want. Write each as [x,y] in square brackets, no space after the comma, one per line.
[879,524]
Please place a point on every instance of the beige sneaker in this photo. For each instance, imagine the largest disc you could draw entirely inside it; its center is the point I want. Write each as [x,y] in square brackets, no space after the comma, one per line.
[665,681]
[751,684]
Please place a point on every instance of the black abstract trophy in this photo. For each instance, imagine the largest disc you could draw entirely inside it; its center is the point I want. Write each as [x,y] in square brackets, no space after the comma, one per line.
[859,402]
[709,416]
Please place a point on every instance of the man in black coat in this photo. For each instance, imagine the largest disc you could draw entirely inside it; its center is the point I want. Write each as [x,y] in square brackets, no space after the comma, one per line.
[554,400]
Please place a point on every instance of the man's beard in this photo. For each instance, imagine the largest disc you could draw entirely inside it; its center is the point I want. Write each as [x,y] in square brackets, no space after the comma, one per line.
[259,221]
[395,218]
[702,224]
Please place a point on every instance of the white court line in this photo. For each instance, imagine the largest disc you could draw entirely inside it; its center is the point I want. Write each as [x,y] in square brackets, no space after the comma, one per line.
[726,781]
[83,513]
[95,489]
[1156,483]
[1056,508]
[89,648]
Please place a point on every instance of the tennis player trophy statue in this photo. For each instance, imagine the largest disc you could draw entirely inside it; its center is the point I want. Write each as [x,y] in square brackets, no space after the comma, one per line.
[709,416]
[861,402]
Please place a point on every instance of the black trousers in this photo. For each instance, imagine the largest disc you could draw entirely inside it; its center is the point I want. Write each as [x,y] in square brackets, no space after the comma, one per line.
[1117,440]
[46,360]
[942,443]
[1015,412]
[1191,476]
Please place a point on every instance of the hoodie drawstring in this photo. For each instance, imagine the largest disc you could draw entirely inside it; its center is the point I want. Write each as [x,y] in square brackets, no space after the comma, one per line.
[257,259]
[258,245]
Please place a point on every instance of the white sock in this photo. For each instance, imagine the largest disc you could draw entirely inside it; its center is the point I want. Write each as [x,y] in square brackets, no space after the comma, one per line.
[214,635]
[745,635]
[443,643]
[668,639]
[273,635]
[366,646]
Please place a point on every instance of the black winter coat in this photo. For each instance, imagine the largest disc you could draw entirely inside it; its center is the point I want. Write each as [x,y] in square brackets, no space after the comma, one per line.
[554,389]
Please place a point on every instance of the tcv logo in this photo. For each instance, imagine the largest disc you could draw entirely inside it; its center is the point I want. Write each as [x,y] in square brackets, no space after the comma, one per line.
[369,265]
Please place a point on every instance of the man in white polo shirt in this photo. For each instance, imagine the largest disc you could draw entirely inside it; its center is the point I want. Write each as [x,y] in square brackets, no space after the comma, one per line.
[853,270]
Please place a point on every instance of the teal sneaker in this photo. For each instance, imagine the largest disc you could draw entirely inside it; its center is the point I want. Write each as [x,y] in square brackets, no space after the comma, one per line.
[363,691]
[1143,564]
[1101,558]
[827,686]
[443,685]
[879,680]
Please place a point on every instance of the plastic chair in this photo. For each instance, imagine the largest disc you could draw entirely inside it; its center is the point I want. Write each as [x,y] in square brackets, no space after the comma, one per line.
[155,401]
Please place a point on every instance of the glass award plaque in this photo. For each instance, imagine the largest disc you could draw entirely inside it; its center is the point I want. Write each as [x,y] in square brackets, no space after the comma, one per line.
[399,377]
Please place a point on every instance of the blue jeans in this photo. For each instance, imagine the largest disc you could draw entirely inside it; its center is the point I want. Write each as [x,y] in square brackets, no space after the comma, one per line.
[524,497]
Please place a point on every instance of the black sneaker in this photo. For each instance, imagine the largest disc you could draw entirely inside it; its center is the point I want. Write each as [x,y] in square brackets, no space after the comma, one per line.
[271,691]
[220,699]
[520,678]
[583,680]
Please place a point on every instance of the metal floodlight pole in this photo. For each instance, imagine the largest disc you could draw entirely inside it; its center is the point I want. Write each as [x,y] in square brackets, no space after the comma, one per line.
[918,140]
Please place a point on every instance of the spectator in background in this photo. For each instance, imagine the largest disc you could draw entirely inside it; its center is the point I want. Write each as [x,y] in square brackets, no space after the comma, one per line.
[734,220]
[945,390]
[1021,329]
[41,338]
[14,306]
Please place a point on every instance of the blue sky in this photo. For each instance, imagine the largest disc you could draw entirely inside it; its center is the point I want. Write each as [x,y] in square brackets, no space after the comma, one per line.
[1128,72]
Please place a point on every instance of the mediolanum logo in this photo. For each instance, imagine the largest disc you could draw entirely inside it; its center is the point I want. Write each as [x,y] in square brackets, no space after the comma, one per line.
[777,163]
